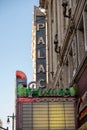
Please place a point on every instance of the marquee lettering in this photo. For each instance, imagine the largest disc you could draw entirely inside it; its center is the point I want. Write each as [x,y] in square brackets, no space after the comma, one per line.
[40,26]
[39,55]
[41,69]
[41,41]
[40,84]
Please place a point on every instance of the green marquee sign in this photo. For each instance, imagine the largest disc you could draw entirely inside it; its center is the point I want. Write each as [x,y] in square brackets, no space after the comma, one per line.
[28,92]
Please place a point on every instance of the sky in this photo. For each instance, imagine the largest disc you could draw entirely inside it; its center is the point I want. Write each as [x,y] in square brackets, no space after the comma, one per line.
[15,50]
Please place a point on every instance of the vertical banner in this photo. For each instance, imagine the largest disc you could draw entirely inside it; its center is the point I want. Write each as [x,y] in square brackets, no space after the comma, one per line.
[21,83]
[40,51]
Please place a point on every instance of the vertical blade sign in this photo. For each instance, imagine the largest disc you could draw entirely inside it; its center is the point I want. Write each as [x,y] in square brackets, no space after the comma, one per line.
[40,51]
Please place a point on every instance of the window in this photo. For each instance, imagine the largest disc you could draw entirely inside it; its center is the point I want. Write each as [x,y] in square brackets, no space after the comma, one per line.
[74,55]
[70,63]
[80,41]
[85,26]
[73,6]
[66,74]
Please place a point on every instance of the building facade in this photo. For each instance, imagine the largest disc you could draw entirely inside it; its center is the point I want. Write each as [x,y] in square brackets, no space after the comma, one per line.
[67,49]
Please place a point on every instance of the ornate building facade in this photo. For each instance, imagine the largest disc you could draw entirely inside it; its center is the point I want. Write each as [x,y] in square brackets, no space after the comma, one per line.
[66,41]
